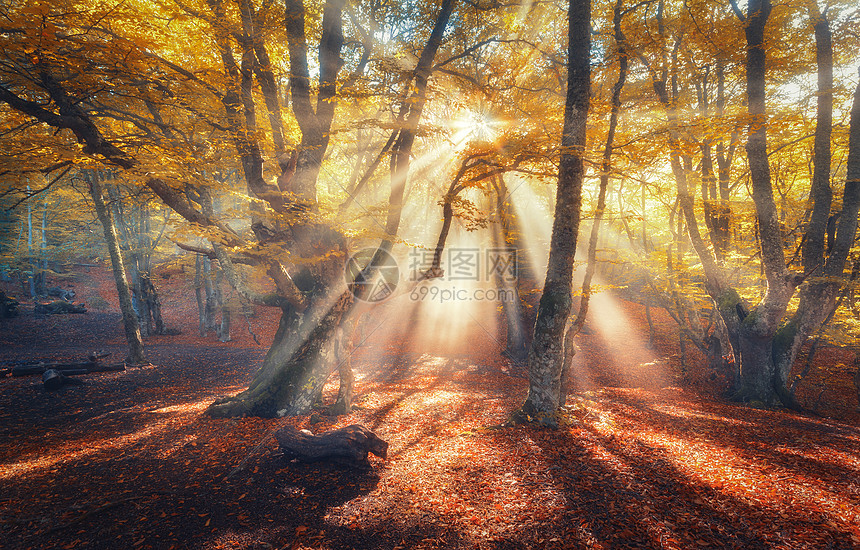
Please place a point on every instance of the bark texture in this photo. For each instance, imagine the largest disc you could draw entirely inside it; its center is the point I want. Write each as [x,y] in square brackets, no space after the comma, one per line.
[578,322]
[546,355]
[352,444]
[136,353]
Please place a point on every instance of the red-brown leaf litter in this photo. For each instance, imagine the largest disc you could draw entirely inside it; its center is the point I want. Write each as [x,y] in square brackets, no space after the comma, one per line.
[650,456]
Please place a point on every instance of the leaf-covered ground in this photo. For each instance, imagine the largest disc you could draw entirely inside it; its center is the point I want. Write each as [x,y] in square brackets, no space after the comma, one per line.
[128,460]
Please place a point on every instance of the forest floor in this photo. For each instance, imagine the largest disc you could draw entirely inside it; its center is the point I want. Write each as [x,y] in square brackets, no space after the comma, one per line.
[648,459]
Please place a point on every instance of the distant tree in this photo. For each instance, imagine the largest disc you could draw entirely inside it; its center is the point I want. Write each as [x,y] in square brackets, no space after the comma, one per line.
[136,354]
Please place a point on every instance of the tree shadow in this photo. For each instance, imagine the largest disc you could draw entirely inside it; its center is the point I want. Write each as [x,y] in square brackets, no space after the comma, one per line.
[775,438]
[618,495]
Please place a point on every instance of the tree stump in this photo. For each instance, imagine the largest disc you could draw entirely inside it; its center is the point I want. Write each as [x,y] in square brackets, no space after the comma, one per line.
[8,306]
[350,444]
[53,379]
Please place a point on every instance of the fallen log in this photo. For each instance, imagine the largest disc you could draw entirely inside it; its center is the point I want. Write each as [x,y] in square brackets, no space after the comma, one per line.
[97,355]
[350,444]
[66,368]
[116,367]
[58,307]
[40,368]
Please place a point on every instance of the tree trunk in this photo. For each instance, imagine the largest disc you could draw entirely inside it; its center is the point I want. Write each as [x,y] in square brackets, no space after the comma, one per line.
[515,342]
[211,301]
[820,192]
[314,124]
[757,328]
[31,279]
[576,324]
[296,366]
[343,355]
[199,293]
[725,155]
[409,116]
[136,354]
[224,327]
[42,276]
[546,355]
[150,294]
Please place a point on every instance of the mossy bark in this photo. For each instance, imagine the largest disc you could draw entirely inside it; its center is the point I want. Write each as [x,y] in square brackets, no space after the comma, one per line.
[295,368]
[136,354]
[546,356]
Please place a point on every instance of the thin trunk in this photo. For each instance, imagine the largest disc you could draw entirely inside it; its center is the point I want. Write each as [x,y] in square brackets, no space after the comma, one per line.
[153,304]
[210,298]
[546,355]
[410,115]
[224,327]
[343,355]
[132,257]
[631,238]
[644,222]
[820,192]
[712,207]
[515,340]
[725,155]
[578,322]
[650,324]
[136,354]
[42,277]
[31,280]
[149,292]
[200,295]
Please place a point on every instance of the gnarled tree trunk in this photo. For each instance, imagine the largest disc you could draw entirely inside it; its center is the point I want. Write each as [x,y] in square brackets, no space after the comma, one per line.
[296,366]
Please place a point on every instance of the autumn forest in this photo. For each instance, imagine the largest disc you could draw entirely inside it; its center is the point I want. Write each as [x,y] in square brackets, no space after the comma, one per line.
[429,274]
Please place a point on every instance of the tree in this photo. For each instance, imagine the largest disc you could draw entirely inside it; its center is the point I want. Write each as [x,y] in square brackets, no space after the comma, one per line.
[546,356]
[291,240]
[136,353]
[576,323]
[133,215]
[765,342]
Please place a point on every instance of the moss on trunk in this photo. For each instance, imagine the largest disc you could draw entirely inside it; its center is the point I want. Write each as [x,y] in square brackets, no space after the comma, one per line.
[295,369]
